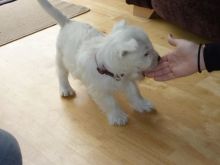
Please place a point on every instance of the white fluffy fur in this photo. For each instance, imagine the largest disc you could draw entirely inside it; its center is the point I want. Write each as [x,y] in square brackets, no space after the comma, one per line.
[126,50]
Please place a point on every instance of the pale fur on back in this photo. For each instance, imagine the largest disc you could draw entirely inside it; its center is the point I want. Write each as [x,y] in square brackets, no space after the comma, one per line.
[126,50]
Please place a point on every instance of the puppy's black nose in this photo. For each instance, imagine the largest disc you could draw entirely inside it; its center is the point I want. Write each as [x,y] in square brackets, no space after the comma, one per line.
[158,58]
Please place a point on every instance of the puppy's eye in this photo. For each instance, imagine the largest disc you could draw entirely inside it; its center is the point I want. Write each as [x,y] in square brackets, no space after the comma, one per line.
[146,54]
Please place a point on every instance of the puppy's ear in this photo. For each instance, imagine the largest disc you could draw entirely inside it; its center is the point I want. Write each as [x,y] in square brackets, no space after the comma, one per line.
[128,47]
[119,25]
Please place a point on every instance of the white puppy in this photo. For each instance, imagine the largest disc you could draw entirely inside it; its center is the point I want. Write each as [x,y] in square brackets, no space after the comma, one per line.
[104,64]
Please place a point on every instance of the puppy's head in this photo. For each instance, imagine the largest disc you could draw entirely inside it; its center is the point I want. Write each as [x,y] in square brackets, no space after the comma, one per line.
[129,51]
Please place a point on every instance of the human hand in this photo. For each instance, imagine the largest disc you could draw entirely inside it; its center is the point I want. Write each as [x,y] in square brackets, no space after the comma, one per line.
[183,61]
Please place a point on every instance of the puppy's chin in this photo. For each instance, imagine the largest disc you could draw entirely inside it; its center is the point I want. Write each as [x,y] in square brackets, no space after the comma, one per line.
[137,76]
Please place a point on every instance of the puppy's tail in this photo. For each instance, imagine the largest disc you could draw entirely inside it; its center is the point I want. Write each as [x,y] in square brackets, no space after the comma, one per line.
[55,13]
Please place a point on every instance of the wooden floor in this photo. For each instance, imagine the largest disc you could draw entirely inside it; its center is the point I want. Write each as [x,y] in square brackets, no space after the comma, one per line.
[55,131]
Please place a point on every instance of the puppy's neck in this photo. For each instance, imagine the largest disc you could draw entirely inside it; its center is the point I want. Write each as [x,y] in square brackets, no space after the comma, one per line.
[104,71]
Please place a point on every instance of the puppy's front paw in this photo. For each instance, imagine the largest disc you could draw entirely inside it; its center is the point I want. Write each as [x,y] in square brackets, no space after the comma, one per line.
[67,92]
[118,118]
[143,106]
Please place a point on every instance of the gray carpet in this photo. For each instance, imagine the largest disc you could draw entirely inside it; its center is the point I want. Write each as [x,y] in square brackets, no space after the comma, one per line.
[24,17]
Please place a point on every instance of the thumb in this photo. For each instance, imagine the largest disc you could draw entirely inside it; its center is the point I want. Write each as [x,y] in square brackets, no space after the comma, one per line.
[172,41]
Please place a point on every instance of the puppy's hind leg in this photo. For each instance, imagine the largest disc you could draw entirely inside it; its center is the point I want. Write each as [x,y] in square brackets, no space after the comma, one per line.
[64,85]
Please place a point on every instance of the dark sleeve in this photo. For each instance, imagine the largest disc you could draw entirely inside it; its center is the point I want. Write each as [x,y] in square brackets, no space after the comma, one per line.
[212,56]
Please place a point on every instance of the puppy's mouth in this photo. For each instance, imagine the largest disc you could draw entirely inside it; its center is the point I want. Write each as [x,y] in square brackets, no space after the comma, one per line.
[141,74]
